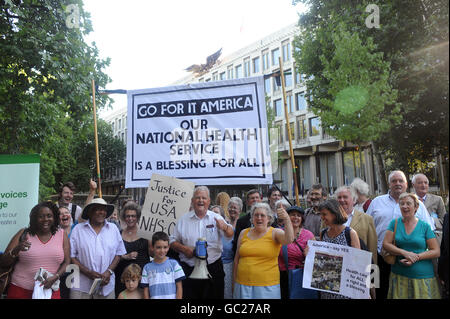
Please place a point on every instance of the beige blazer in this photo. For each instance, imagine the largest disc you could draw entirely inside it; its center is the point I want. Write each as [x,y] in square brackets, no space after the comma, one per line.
[365,228]
[435,204]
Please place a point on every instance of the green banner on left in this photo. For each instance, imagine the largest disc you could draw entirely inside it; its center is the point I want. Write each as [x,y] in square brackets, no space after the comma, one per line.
[19,192]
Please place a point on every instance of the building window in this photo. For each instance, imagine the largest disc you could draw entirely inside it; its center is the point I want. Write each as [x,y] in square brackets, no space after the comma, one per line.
[286,51]
[120,124]
[276,83]
[314,126]
[247,67]
[238,70]
[267,85]
[301,101]
[354,165]
[287,78]
[280,134]
[289,101]
[256,65]
[214,76]
[278,107]
[327,166]
[303,174]
[230,72]
[299,78]
[265,57]
[291,125]
[222,76]
[275,57]
[301,128]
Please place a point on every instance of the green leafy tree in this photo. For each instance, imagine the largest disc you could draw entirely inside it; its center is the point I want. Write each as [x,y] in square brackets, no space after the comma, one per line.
[358,91]
[112,153]
[46,70]
[409,45]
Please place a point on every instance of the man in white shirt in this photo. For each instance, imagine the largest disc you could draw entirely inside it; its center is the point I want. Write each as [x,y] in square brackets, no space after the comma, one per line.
[96,247]
[201,223]
[385,208]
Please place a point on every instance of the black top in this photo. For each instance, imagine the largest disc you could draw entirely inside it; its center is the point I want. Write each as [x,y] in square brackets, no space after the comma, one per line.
[143,258]
[443,259]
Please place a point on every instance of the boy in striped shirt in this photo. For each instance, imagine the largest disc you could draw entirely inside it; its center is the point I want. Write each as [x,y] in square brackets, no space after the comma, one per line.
[161,278]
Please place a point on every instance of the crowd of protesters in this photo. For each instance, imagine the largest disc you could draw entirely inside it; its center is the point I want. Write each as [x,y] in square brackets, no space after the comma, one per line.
[249,252]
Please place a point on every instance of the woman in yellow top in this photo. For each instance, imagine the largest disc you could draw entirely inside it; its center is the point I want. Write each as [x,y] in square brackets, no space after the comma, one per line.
[256,274]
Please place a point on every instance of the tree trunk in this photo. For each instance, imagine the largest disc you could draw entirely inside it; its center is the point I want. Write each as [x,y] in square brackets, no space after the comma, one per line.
[380,169]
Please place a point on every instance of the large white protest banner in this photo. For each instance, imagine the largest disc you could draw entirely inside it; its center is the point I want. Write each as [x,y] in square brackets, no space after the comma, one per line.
[212,133]
[167,199]
[337,269]
[19,192]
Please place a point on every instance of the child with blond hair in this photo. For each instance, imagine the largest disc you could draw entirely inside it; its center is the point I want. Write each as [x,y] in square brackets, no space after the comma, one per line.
[131,277]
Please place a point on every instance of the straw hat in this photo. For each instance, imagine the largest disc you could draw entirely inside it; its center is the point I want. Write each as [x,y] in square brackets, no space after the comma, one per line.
[97,201]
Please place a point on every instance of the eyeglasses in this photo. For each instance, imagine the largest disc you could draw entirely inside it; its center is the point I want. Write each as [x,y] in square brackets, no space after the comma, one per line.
[260,215]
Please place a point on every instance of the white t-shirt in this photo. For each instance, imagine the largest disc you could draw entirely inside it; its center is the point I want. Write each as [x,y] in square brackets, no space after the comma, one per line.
[190,228]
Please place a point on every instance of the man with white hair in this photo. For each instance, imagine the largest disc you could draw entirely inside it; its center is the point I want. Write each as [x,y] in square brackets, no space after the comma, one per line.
[359,221]
[201,223]
[433,203]
[385,208]
[361,190]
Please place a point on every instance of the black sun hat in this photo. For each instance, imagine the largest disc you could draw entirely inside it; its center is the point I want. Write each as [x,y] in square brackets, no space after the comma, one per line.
[295,209]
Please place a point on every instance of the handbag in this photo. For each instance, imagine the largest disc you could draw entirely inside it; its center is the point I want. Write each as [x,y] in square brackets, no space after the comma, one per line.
[295,280]
[6,271]
[5,277]
[389,258]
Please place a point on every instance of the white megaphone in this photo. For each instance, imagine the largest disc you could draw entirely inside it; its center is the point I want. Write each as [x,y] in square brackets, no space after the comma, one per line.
[200,270]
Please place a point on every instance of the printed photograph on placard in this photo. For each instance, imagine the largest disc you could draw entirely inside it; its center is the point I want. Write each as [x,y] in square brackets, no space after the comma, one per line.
[326,273]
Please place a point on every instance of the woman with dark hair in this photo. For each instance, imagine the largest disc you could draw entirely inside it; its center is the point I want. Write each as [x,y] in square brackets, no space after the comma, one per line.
[42,245]
[334,217]
[295,252]
[138,249]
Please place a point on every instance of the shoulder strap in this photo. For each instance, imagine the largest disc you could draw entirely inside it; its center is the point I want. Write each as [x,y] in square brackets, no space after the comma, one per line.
[74,209]
[301,249]
[322,233]
[395,229]
[285,256]
[347,236]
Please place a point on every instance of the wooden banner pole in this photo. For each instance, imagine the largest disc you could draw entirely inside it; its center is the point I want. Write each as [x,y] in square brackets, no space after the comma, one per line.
[99,183]
[297,201]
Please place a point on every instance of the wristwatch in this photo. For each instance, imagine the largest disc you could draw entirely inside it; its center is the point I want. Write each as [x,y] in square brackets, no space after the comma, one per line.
[110,271]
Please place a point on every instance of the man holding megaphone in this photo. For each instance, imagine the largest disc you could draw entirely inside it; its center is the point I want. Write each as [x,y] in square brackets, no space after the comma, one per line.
[198,240]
